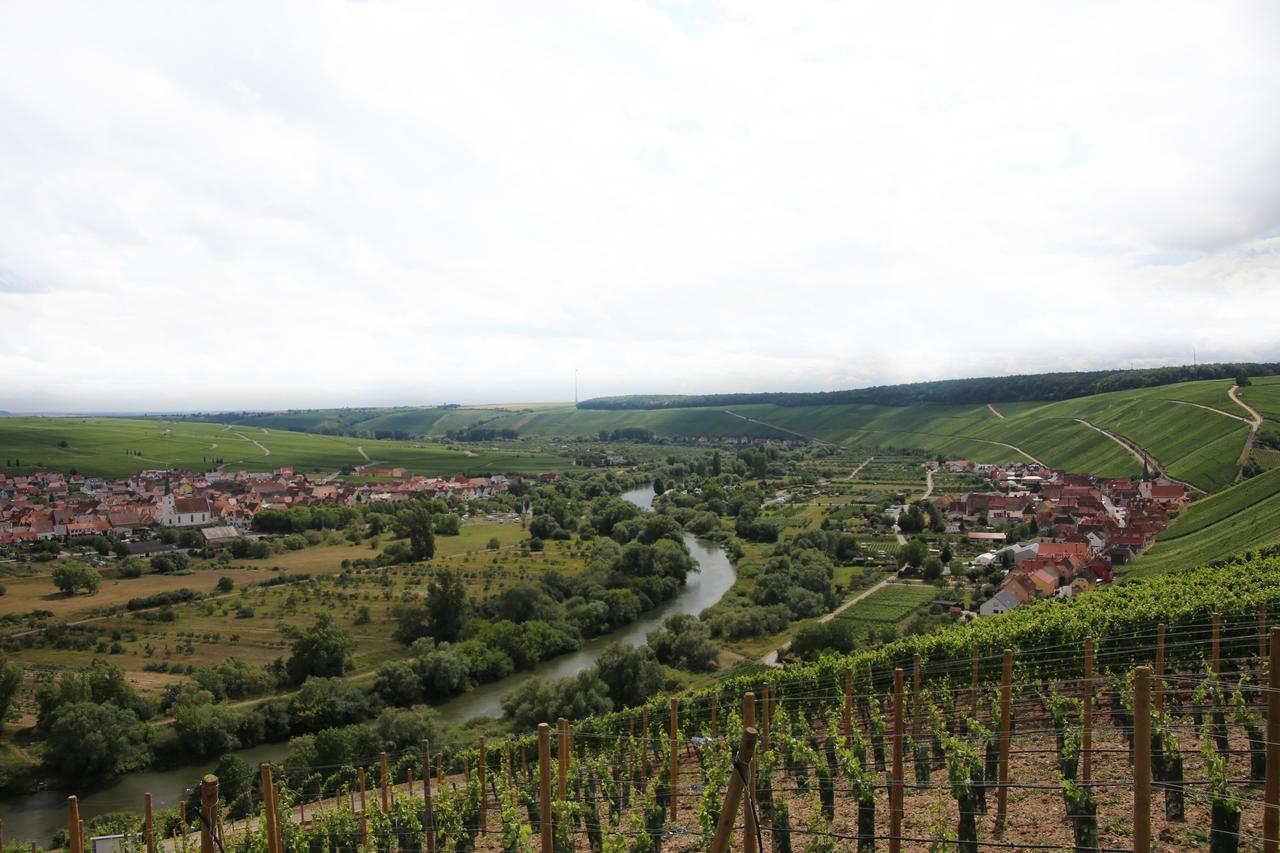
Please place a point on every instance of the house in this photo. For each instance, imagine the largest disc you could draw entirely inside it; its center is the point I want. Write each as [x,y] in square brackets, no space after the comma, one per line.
[223,535]
[1002,602]
[183,512]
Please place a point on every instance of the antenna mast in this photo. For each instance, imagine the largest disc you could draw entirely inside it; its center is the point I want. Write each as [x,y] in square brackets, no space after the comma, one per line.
[575,386]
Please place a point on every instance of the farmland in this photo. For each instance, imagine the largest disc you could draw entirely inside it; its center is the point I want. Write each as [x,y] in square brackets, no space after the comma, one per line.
[118,447]
[880,613]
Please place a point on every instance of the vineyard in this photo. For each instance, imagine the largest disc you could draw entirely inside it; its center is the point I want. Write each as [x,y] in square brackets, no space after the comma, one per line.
[1145,716]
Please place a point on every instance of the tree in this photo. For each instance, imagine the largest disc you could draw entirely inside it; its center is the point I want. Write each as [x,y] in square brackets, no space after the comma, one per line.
[715,464]
[225,584]
[630,673]
[446,606]
[322,650]
[685,643]
[10,681]
[422,538]
[71,577]
[1243,380]
[914,553]
[91,740]
[493,544]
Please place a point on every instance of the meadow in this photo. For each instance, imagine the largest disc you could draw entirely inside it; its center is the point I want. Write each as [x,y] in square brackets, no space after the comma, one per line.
[119,447]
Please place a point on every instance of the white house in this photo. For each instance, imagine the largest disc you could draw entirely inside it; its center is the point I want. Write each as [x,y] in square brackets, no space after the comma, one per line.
[183,512]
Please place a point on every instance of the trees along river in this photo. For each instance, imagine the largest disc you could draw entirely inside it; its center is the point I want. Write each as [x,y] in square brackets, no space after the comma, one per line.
[37,816]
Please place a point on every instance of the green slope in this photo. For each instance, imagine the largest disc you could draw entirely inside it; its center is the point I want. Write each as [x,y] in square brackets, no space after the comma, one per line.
[1245,516]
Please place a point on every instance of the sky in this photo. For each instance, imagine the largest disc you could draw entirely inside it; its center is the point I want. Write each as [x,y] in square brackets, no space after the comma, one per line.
[260,205]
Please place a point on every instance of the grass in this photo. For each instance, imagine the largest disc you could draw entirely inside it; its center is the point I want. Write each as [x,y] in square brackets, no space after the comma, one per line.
[1264,395]
[104,447]
[1235,520]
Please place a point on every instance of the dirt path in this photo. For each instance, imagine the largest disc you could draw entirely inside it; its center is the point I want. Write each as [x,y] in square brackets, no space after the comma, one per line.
[778,428]
[265,450]
[771,659]
[360,450]
[928,479]
[1255,422]
[1211,409]
[1140,453]
[994,412]
[858,470]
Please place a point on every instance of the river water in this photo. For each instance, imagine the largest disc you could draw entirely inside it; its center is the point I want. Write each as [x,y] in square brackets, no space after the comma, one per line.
[37,816]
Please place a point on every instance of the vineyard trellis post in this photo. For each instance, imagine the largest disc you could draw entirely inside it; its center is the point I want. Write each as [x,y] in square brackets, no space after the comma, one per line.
[847,719]
[1262,632]
[714,713]
[1271,791]
[675,756]
[733,795]
[360,777]
[484,797]
[1157,691]
[895,784]
[149,825]
[1217,645]
[1006,715]
[428,815]
[1086,715]
[73,825]
[644,741]
[973,685]
[544,785]
[748,815]
[275,808]
[562,759]
[767,708]
[267,811]
[208,811]
[386,792]
[915,697]
[1142,759]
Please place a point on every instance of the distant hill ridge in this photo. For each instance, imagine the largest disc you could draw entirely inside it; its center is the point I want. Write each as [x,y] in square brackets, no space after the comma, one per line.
[1039,387]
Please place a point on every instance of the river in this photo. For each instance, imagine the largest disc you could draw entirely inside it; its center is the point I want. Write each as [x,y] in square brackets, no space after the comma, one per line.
[39,815]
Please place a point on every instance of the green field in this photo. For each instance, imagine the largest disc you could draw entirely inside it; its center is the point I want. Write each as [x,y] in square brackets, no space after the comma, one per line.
[888,607]
[103,447]
[1243,517]
[1264,395]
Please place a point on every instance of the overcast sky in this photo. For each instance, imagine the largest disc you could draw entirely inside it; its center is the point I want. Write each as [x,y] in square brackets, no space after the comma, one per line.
[280,204]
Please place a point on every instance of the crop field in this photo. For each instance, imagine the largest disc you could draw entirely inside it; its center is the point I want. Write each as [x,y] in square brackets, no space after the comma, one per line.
[1238,519]
[895,470]
[883,610]
[109,447]
[1264,395]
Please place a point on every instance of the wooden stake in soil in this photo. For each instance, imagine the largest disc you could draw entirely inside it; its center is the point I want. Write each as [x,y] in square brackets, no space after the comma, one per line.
[767,708]
[1006,717]
[268,811]
[1271,791]
[1157,691]
[895,783]
[847,719]
[73,825]
[544,785]
[386,792]
[562,759]
[644,741]
[915,697]
[148,825]
[484,797]
[748,816]
[714,709]
[973,685]
[280,821]
[675,756]
[1142,760]
[360,776]
[1262,632]
[1217,644]
[1086,715]
[732,796]
[208,811]
[428,815]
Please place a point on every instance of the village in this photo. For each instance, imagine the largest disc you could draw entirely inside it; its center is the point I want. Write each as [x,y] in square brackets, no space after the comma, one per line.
[1087,524]
[221,505]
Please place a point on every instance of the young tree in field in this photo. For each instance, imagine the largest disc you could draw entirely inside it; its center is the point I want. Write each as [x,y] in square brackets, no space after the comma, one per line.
[322,650]
[72,577]
[422,538]
[10,681]
[446,606]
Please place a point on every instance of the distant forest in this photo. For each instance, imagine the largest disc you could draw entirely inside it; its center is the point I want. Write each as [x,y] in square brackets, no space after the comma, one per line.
[992,389]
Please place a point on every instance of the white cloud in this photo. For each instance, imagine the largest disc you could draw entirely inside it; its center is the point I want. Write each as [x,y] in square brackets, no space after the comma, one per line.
[289,203]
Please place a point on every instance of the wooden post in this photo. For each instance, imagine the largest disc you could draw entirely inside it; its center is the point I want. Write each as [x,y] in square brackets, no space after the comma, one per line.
[1271,791]
[1262,632]
[1006,717]
[732,796]
[148,823]
[544,785]
[1142,760]
[73,825]
[386,794]
[915,697]
[208,811]
[1217,644]
[428,815]
[749,833]
[847,718]
[511,768]
[440,770]
[675,756]
[973,685]
[360,777]
[644,740]
[1086,715]
[364,828]
[484,797]
[280,821]
[714,709]
[895,782]
[767,722]
[1157,691]
[410,780]
[268,812]
[562,759]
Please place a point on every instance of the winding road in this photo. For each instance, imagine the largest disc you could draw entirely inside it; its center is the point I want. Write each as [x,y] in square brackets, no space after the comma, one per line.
[994,412]
[1140,453]
[771,659]
[1255,422]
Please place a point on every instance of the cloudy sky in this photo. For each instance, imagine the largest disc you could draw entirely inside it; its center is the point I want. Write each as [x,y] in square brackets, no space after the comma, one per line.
[276,204]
